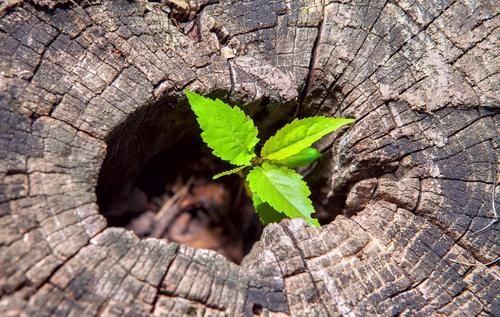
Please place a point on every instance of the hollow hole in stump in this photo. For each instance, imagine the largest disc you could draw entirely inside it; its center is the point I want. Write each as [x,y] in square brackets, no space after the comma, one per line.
[156,180]
[175,198]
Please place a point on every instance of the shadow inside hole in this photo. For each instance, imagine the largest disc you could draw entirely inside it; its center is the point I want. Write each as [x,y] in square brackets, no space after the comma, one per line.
[257,309]
[175,198]
[318,177]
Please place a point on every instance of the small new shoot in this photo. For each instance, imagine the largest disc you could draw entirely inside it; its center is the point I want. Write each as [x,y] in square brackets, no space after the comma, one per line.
[277,190]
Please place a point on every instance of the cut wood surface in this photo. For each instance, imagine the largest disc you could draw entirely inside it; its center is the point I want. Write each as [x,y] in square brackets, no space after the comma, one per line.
[417,171]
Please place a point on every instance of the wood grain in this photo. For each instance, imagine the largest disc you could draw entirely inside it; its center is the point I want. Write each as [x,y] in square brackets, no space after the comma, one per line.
[421,78]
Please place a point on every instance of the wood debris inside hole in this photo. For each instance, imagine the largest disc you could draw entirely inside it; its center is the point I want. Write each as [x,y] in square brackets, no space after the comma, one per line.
[174,198]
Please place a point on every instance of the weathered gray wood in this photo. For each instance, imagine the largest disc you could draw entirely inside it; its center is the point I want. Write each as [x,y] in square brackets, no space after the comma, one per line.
[421,78]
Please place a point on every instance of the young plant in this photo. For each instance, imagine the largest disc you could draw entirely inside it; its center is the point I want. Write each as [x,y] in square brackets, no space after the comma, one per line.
[277,190]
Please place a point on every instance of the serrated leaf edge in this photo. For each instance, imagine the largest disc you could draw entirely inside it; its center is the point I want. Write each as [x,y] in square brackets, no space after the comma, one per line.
[310,220]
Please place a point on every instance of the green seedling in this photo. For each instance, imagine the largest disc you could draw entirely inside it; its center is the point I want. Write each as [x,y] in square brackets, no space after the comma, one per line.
[277,190]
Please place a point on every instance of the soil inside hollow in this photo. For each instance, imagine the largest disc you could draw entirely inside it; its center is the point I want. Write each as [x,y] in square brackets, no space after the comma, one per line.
[175,198]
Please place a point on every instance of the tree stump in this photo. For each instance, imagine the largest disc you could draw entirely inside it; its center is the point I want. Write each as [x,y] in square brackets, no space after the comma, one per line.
[413,181]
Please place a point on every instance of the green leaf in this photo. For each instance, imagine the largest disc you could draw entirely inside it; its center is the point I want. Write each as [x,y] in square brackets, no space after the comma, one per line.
[226,130]
[303,158]
[266,213]
[298,135]
[229,172]
[283,189]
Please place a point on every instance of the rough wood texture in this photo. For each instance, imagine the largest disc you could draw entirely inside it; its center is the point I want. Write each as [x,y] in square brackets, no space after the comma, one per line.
[418,170]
